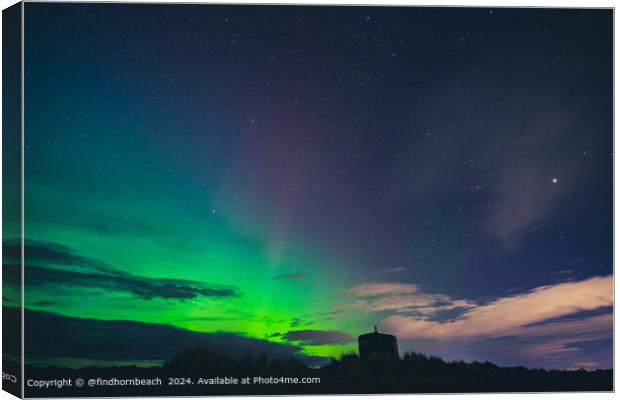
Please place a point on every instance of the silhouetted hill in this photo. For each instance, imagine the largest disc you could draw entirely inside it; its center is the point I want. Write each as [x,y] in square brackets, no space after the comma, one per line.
[414,373]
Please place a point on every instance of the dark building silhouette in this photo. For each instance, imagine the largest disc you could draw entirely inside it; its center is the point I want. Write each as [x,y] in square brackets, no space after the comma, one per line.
[377,344]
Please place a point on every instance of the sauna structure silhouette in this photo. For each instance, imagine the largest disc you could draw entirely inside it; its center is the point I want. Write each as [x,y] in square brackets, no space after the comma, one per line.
[377,345]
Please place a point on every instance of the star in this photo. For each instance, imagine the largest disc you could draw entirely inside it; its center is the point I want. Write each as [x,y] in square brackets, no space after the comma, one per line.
[554,180]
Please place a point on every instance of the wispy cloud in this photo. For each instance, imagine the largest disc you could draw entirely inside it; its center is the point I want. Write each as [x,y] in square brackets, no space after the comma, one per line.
[548,325]
[582,342]
[382,288]
[401,297]
[528,183]
[512,315]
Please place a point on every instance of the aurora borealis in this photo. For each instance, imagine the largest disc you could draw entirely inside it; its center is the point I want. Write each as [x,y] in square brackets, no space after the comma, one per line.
[299,174]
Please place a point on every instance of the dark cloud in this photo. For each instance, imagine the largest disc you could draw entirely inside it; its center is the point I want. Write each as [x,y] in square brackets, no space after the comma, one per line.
[41,252]
[141,287]
[51,336]
[293,277]
[53,264]
[44,303]
[317,337]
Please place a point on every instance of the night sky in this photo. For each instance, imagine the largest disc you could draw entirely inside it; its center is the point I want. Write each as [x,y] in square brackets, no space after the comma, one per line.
[300,174]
